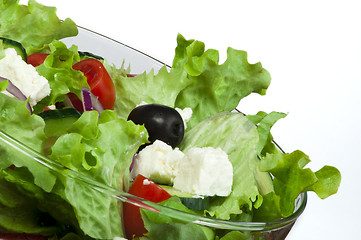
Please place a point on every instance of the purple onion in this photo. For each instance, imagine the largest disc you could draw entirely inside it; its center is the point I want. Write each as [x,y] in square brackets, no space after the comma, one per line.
[90,101]
[12,89]
[133,161]
[86,99]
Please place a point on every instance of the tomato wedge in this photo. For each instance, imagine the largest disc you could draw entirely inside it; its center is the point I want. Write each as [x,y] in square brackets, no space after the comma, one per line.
[36,59]
[147,189]
[98,78]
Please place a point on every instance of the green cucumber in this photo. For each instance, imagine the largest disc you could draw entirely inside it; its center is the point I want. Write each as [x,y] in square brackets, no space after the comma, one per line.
[58,122]
[20,50]
[191,201]
[86,55]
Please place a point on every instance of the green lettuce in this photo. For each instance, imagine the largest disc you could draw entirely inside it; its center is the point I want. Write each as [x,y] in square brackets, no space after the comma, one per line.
[264,124]
[215,87]
[57,69]
[34,26]
[162,88]
[292,178]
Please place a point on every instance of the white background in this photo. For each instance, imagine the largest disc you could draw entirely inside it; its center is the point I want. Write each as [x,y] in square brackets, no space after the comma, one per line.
[312,50]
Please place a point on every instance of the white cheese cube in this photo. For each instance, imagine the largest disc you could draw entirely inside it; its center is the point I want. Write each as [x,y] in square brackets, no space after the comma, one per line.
[205,171]
[24,76]
[157,162]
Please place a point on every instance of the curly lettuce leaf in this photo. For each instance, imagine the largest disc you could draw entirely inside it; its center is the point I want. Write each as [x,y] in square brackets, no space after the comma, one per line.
[291,178]
[264,124]
[57,69]
[238,137]
[162,88]
[215,87]
[34,26]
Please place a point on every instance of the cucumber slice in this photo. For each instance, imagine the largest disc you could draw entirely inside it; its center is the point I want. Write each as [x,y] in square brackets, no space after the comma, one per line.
[58,122]
[191,201]
[20,50]
[85,55]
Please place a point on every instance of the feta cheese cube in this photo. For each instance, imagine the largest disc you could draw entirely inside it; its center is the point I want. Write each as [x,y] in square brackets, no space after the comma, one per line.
[24,76]
[157,162]
[205,171]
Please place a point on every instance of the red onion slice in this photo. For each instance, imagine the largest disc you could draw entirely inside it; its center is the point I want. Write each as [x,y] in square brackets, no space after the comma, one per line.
[86,99]
[12,89]
[133,161]
[90,101]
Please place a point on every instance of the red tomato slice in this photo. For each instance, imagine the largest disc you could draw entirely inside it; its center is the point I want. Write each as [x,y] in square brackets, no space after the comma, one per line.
[37,58]
[98,78]
[147,189]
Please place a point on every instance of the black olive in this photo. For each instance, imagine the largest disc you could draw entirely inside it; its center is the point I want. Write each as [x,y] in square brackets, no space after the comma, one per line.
[162,123]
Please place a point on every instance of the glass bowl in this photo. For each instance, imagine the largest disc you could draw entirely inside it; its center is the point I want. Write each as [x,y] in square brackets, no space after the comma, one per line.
[118,53]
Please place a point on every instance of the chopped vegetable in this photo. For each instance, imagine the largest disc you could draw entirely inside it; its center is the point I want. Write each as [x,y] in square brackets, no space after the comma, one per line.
[11,88]
[162,123]
[99,81]
[147,189]
[36,59]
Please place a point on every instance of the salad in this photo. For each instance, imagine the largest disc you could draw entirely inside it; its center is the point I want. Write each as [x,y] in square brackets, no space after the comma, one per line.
[88,115]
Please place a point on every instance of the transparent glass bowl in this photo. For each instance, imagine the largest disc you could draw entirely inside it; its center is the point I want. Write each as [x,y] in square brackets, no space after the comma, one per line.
[118,54]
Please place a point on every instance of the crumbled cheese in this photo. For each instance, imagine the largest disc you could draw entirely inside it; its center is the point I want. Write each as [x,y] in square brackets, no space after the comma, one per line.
[24,76]
[157,162]
[186,115]
[119,238]
[52,107]
[205,171]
